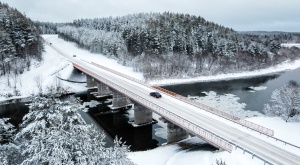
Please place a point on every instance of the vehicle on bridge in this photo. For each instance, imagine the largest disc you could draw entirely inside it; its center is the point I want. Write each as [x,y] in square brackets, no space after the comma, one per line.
[155,94]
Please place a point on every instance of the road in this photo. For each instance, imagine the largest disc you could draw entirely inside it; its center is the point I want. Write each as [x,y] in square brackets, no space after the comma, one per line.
[241,138]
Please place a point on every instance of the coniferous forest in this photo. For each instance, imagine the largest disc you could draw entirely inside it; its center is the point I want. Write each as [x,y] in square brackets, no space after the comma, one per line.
[20,43]
[171,45]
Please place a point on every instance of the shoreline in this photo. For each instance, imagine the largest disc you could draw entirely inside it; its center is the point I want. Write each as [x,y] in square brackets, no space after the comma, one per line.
[278,69]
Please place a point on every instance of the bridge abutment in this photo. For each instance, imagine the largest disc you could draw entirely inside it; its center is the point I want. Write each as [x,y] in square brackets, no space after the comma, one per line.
[175,133]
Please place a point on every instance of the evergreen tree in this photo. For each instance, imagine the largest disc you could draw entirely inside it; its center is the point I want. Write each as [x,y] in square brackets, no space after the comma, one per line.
[53,132]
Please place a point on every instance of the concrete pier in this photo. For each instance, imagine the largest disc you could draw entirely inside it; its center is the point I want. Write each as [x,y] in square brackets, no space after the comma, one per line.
[175,133]
[103,90]
[142,115]
[119,100]
[91,82]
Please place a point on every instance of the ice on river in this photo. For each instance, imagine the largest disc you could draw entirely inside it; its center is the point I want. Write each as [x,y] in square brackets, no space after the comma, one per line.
[253,89]
[226,102]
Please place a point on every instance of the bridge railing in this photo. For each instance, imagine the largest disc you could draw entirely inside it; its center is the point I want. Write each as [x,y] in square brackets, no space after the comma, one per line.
[199,131]
[230,117]
[121,74]
[217,112]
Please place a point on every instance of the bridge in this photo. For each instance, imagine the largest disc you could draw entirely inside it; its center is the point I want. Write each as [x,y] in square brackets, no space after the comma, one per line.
[184,115]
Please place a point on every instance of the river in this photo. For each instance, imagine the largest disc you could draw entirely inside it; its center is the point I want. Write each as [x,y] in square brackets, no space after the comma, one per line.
[242,89]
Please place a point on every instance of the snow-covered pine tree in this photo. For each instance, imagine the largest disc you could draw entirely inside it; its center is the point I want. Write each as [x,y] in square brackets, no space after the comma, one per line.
[53,132]
[6,130]
[9,152]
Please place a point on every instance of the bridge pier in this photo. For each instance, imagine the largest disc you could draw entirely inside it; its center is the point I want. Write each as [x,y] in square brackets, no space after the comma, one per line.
[142,115]
[103,90]
[90,82]
[175,133]
[119,100]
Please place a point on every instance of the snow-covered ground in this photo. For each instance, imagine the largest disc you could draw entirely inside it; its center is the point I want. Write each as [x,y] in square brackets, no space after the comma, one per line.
[54,64]
[175,154]
[289,45]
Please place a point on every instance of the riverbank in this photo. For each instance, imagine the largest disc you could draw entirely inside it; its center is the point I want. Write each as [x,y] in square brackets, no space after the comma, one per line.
[285,66]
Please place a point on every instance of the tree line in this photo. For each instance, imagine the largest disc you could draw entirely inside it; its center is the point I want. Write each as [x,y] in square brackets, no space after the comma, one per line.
[172,45]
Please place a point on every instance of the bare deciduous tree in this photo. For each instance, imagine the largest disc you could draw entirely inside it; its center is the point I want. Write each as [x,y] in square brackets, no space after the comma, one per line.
[39,83]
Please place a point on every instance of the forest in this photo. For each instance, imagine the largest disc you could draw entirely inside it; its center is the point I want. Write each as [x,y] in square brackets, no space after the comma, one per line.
[20,43]
[172,45]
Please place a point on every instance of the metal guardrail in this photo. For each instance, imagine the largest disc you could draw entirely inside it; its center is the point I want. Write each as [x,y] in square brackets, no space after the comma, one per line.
[222,114]
[197,130]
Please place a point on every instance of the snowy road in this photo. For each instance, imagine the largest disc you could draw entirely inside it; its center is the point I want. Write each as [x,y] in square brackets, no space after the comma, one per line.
[192,114]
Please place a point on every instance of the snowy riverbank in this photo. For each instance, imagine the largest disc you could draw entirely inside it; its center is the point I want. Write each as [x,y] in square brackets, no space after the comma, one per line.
[285,66]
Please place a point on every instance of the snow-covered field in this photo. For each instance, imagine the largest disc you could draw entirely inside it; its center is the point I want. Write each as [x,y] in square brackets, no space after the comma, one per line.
[167,154]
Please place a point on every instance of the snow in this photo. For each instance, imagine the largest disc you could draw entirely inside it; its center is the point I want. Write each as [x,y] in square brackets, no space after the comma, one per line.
[289,45]
[254,89]
[56,65]
[91,104]
[52,63]
[258,88]
[193,155]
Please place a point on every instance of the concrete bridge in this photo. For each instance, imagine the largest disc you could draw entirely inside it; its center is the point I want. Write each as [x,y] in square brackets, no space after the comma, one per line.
[216,127]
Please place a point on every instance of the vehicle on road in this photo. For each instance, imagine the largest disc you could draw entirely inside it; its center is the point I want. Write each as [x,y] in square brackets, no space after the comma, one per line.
[155,94]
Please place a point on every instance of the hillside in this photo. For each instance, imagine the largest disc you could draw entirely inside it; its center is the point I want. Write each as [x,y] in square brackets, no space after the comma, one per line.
[170,45]
[19,43]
